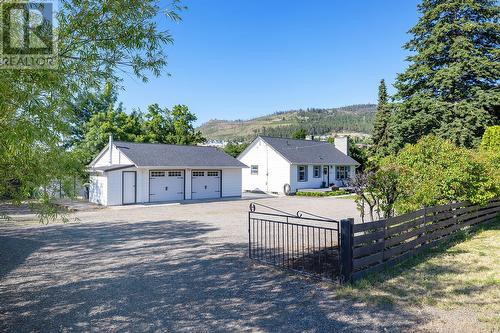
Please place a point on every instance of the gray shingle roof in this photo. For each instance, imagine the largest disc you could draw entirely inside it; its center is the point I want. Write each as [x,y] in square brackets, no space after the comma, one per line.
[150,154]
[309,152]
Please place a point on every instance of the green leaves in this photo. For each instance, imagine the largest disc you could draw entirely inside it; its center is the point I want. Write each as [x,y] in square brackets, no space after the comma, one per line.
[450,88]
[96,40]
[491,139]
[435,171]
[235,149]
[158,125]
[381,134]
[299,134]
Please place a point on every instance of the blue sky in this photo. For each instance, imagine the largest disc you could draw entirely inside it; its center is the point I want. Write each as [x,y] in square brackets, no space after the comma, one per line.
[237,59]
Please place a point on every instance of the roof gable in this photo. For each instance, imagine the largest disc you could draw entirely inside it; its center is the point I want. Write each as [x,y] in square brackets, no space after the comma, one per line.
[308,151]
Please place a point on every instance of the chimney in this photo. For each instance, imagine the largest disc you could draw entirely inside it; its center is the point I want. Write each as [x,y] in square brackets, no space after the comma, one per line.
[110,149]
[342,144]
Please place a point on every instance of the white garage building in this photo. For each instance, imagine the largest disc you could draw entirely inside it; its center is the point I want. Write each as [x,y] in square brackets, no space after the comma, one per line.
[128,173]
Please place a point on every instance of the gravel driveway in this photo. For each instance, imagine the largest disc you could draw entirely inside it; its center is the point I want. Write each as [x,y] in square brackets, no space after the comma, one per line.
[175,268]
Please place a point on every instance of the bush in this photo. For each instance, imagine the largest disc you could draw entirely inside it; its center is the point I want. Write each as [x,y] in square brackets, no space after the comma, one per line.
[491,139]
[321,194]
[435,171]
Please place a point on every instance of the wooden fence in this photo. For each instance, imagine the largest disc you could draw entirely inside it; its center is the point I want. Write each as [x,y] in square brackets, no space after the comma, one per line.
[373,246]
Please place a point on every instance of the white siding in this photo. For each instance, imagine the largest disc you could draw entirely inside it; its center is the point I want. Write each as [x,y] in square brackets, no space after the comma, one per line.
[333,175]
[311,181]
[231,183]
[118,157]
[142,185]
[114,187]
[98,189]
[103,160]
[106,189]
[187,182]
[274,170]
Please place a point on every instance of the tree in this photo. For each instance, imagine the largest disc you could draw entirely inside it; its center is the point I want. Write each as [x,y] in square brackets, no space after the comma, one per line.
[380,136]
[388,188]
[184,132]
[87,104]
[450,88]
[434,171]
[158,125]
[122,126]
[491,139]
[366,194]
[235,149]
[299,134]
[95,40]
[360,155]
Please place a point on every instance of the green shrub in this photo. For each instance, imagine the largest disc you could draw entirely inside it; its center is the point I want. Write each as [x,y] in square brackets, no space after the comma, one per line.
[491,139]
[321,194]
[435,171]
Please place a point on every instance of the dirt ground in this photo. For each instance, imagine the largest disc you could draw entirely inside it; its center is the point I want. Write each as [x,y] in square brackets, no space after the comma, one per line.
[175,268]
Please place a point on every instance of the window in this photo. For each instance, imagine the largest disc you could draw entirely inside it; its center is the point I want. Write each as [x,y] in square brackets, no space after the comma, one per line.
[175,173]
[343,171]
[157,173]
[254,170]
[198,173]
[213,173]
[302,173]
[317,171]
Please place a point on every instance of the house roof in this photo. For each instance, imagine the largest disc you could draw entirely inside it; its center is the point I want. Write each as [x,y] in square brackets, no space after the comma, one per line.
[153,154]
[308,151]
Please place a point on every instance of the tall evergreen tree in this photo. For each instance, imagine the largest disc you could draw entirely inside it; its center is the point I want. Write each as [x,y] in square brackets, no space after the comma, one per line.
[451,86]
[380,137]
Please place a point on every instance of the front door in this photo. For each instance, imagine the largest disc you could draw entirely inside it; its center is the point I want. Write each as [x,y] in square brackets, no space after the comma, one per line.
[326,175]
[129,187]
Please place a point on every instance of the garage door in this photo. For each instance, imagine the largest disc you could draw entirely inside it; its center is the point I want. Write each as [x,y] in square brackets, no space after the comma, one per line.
[205,184]
[166,185]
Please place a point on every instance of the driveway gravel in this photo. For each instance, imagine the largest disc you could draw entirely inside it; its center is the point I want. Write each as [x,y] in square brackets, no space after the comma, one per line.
[170,268]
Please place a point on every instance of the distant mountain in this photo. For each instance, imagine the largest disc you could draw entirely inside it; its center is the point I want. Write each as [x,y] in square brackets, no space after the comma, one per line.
[353,118]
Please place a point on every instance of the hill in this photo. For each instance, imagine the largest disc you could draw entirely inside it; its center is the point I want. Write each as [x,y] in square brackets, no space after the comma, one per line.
[354,118]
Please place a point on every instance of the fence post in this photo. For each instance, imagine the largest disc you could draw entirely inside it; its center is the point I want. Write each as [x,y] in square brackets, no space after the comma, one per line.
[346,246]
[249,237]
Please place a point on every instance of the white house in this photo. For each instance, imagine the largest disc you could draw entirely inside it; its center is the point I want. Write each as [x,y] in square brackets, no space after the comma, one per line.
[127,173]
[286,165]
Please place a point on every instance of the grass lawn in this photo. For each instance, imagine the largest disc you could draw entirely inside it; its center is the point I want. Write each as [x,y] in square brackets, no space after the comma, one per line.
[460,282]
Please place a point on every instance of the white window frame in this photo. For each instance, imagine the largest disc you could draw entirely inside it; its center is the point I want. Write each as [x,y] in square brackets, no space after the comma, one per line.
[342,172]
[198,174]
[302,172]
[317,171]
[213,173]
[254,170]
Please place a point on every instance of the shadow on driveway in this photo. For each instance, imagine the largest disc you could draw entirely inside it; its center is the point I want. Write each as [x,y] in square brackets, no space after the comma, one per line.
[164,276]
[14,251]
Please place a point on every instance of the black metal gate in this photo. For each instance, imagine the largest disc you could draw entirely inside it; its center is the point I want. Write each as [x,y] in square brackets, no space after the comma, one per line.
[302,242]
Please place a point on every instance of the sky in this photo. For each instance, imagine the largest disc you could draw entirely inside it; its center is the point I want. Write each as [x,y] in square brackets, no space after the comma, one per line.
[238,59]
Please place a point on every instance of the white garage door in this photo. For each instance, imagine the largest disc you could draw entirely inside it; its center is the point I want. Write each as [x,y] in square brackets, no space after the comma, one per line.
[166,185]
[205,184]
